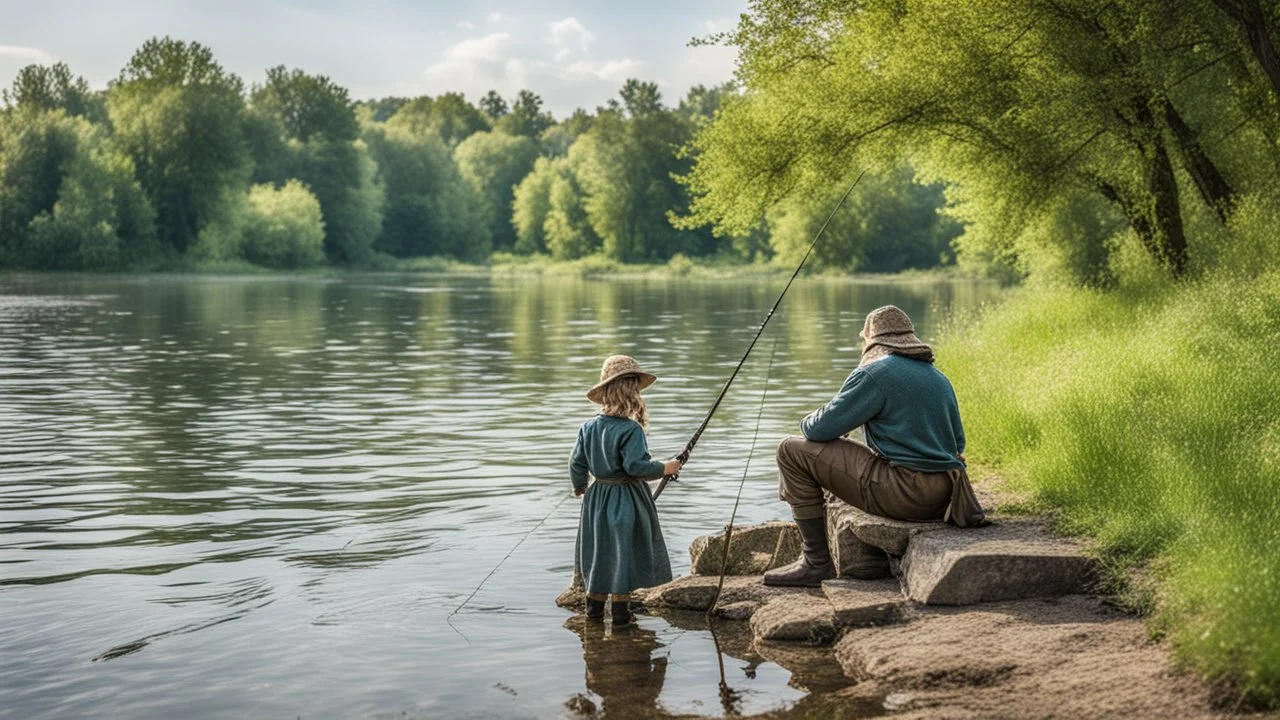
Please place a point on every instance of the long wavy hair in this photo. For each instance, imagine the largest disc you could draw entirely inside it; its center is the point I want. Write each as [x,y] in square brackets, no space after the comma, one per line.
[622,398]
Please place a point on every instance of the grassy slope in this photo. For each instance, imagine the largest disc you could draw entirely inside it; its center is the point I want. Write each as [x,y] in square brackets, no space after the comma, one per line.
[1149,420]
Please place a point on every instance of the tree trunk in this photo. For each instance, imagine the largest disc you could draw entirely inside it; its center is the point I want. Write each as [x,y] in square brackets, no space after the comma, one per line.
[1249,16]
[1213,186]
[1157,218]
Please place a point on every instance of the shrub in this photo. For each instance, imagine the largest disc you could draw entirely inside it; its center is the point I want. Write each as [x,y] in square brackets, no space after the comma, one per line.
[284,227]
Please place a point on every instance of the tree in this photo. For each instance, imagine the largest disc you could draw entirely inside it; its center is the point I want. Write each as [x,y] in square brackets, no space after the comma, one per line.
[180,117]
[567,231]
[449,116]
[53,87]
[493,163]
[493,105]
[322,149]
[1018,101]
[526,117]
[532,204]
[68,197]
[284,227]
[430,209]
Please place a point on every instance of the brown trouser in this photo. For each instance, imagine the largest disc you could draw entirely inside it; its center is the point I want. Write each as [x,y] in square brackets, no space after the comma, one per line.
[854,473]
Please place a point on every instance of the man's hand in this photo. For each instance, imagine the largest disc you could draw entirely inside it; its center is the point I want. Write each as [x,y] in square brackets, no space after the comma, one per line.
[960,457]
[671,467]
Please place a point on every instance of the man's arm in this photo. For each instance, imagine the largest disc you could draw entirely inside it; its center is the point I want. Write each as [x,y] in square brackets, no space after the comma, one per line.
[858,401]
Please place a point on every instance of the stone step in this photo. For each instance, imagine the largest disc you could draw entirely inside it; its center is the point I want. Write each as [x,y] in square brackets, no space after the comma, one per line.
[1009,560]
[847,526]
[740,596]
[795,618]
[752,550]
[865,603]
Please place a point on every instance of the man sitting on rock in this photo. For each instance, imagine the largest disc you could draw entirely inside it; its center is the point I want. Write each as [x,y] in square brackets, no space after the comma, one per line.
[912,465]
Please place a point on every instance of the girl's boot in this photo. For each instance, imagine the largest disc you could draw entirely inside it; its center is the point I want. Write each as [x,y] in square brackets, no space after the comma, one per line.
[595,609]
[621,612]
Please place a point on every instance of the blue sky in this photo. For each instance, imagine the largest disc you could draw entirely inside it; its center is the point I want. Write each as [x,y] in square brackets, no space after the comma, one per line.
[574,53]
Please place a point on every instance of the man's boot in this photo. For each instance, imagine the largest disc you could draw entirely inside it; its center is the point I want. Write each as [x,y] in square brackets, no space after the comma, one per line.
[814,564]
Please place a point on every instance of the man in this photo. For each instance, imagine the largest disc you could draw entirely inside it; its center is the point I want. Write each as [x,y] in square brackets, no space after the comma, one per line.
[912,466]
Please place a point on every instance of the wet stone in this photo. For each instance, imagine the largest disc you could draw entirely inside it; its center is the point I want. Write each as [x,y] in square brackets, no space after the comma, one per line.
[574,597]
[864,603]
[1010,560]
[795,618]
[753,549]
[695,592]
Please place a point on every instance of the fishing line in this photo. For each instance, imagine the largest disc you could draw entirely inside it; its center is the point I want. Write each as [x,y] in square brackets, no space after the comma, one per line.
[545,518]
[728,532]
[688,448]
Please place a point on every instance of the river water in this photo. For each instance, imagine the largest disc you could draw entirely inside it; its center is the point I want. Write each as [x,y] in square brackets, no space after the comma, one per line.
[262,497]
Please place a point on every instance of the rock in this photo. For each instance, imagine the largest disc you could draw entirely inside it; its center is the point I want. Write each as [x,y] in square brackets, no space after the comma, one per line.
[795,618]
[1007,561]
[847,523]
[864,603]
[741,610]
[752,549]
[574,597]
[694,592]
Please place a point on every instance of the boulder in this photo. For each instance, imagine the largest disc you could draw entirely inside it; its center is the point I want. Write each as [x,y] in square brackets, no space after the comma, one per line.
[850,527]
[864,603]
[1007,561]
[574,597]
[795,618]
[753,549]
[695,592]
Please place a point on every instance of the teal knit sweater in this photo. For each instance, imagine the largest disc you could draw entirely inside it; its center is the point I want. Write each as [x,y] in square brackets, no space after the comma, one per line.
[908,410]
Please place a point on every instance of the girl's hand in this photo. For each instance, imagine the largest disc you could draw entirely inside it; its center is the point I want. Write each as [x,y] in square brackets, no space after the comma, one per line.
[671,467]
[579,493]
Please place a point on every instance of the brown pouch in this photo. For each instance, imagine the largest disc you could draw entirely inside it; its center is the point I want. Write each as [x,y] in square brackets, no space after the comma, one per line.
[964,510]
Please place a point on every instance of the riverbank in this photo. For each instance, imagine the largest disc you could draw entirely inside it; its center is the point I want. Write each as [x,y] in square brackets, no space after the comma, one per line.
[522,266]
[1145,419]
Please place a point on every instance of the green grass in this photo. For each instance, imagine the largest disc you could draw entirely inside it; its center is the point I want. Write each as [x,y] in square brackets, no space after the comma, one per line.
[1149,420]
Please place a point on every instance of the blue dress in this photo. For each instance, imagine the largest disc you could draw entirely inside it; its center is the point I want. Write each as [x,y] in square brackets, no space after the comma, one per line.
[620,546]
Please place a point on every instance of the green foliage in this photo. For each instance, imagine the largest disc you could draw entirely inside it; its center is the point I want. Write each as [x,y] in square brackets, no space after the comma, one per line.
[1020,103]
[526,117]
[430,209]
[53,87]
[283,228]
[567,231]
[68,197]
[1149,417]
[450,117]
[180,116]
[887,224]
[494,163]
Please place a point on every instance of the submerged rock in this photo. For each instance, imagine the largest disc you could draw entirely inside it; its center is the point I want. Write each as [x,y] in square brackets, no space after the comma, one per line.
[753,549]
[1007,561]
[695,592]
[795,618]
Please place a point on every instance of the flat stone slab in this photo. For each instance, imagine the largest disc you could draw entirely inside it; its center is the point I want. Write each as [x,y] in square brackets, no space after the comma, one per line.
[753,549]
[892,536]
[1007,561]
[865,603]
[694,592]
[795,618]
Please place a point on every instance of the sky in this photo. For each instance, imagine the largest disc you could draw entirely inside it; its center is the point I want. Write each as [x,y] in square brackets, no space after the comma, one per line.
[574,53]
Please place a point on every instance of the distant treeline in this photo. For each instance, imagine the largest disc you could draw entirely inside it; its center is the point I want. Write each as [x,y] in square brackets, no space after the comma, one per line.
[177,163]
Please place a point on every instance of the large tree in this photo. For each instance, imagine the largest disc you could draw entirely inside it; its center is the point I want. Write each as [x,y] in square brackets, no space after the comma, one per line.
[494,163]
[180,117]
[1019,101]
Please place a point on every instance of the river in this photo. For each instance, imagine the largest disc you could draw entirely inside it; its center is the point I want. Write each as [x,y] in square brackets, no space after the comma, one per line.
[262,496]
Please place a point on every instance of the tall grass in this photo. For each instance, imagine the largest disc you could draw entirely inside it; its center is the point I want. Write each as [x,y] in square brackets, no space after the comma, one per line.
[1150,420]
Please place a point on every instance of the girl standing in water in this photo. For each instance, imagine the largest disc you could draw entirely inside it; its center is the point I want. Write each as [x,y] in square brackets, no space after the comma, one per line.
[620,546]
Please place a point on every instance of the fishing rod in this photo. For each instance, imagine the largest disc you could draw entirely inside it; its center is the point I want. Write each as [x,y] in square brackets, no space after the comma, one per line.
[683,457]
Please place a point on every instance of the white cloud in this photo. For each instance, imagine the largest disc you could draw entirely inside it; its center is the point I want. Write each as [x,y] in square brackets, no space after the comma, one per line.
[704,64]
[35,55]
[494,17]
[568,35]
[497,61]
[466,25]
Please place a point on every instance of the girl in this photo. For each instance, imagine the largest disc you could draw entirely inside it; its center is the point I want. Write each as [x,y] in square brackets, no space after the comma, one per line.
[620,546]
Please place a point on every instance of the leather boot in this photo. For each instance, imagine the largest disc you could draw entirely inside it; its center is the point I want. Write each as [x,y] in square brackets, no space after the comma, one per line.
[814,564]
[595,609]
[621,612]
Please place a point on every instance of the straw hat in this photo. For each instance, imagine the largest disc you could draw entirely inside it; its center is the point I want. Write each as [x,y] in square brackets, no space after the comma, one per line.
[618,366]
[889,327]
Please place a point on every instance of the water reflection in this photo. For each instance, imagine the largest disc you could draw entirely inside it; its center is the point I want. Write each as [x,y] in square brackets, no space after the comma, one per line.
[623,669]
[262,496]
